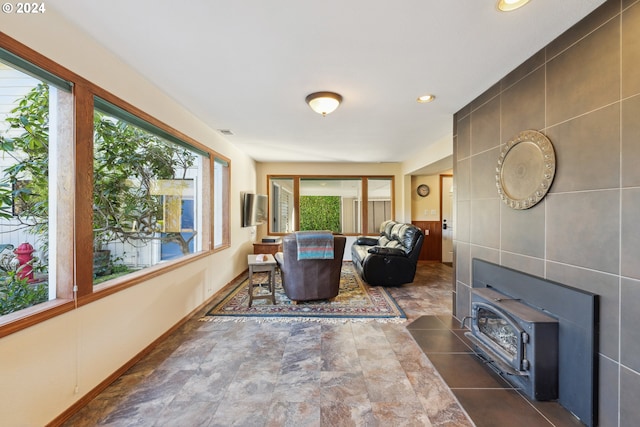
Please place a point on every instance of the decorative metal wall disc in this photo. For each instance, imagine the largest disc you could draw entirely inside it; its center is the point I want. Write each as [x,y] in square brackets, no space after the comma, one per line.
[526,167]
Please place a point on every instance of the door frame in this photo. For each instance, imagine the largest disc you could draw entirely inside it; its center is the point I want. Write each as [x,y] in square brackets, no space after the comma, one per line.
[442,176]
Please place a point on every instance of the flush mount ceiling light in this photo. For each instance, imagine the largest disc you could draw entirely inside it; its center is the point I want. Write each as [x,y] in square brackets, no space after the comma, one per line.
[425,98]
[323,102]
[509,5]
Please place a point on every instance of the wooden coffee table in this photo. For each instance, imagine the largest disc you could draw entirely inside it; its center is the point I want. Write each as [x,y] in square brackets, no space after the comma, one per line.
[267,265]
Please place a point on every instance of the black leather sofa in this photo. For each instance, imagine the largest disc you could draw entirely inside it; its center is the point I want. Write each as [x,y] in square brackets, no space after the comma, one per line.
[391,258]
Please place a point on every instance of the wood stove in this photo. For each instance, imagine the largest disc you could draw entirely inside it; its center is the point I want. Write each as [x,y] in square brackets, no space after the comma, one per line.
[577,313]
[519,340]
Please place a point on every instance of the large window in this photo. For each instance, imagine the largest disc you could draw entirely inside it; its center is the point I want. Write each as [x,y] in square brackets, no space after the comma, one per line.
[281,205]
[93,190]
[379,206]
[331,204]
[347,205]
[146,195]
[34,107]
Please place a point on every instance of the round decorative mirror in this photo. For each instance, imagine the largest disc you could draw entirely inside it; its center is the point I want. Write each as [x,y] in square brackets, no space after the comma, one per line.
[526,167]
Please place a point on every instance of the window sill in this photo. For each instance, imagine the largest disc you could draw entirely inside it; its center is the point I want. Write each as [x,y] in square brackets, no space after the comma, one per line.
[19,320]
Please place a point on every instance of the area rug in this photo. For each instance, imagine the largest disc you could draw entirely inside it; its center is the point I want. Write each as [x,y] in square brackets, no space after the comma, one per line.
[356,301]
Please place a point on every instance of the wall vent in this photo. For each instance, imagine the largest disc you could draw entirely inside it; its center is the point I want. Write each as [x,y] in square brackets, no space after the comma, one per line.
[227,132]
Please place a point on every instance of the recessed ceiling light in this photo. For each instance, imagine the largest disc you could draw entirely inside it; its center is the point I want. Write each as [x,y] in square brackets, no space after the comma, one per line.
[426,98]
[509,5]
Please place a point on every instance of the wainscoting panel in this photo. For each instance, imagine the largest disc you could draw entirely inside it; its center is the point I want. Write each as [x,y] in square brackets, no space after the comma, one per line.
[432,246]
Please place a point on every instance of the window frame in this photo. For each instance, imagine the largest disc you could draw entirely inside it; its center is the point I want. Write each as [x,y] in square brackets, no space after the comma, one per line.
[296,197]
[74,269]
[152,127]
[225,206]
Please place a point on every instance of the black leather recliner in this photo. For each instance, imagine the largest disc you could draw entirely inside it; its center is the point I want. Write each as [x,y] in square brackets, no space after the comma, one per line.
[392,258]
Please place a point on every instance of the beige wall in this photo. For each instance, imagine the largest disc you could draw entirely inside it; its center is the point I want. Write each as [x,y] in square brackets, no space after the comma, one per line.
[583,92]
[425,208]
[432,153]
[41,366]
[437,157]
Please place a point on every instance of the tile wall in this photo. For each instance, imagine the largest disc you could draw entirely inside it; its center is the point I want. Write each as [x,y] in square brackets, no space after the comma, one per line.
[583,92]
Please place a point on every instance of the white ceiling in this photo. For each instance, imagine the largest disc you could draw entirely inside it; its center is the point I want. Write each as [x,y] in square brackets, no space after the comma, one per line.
[247,65]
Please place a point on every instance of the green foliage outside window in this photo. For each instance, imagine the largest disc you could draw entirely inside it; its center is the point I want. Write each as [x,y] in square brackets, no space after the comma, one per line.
[30,152]
[17,293]
[320,213]
[127,162]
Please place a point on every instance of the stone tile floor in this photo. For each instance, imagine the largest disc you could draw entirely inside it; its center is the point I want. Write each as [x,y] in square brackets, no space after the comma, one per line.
[293,374]
[485,395]
[289,374]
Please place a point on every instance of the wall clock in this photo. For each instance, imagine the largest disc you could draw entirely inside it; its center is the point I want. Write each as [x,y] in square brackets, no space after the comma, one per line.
[422,190]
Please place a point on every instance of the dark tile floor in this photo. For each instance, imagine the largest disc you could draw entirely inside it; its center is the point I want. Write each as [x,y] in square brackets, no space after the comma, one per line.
[487,397]
[315,374]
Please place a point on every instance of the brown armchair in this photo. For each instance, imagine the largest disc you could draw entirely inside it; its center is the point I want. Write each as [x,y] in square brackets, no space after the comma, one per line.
[310,279]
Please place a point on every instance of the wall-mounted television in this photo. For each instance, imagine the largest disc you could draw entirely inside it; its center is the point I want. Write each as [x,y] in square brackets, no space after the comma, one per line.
[255,208]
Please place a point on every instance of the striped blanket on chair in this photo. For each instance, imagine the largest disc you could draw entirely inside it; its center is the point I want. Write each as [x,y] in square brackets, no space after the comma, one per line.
[314,244]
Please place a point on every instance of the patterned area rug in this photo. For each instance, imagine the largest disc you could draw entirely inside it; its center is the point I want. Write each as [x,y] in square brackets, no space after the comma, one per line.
[356,301]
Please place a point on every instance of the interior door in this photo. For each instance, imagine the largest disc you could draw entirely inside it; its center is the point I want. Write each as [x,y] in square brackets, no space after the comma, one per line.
[446,200]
